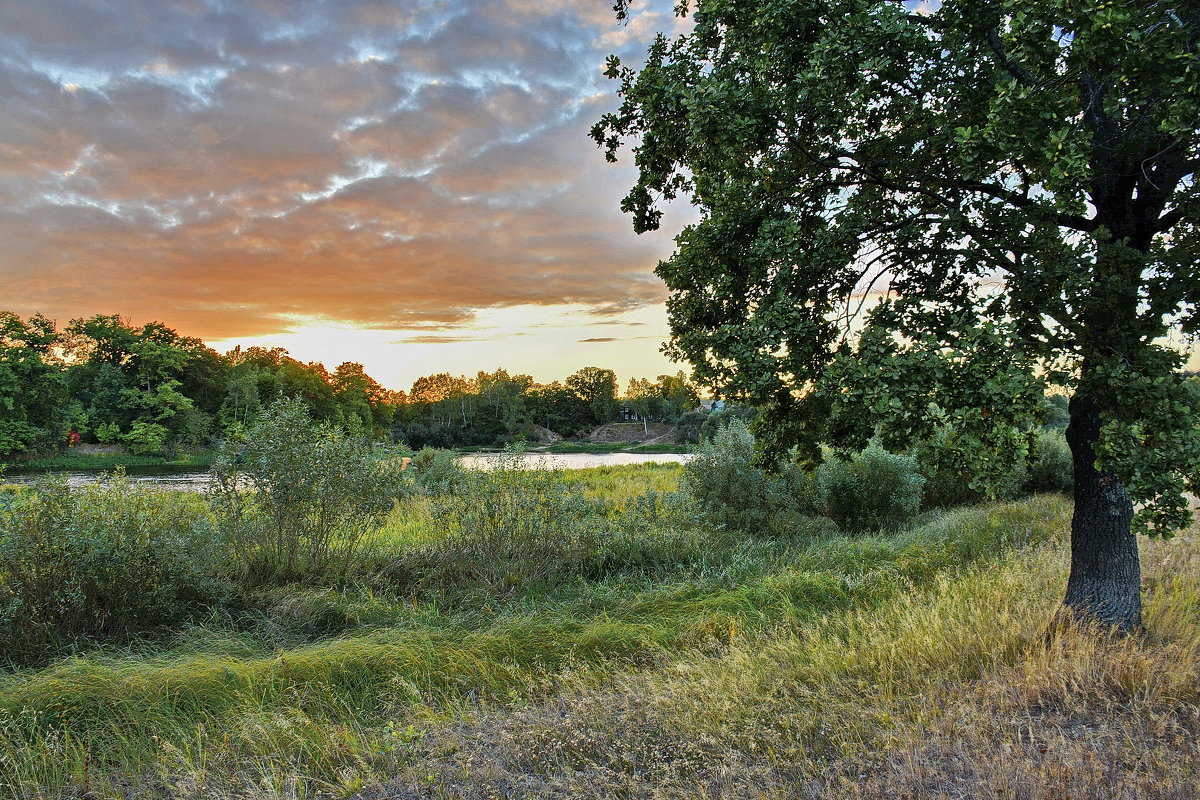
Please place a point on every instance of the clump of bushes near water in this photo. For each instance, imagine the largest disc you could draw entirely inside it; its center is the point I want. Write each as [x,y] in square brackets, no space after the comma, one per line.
[105,560]
[868,490]
[297,499]
[872,490]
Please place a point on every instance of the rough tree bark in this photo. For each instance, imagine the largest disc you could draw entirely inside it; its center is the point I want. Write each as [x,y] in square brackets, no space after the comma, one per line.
[1105,579]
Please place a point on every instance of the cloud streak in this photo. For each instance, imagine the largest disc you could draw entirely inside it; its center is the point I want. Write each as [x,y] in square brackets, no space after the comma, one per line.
[230,167]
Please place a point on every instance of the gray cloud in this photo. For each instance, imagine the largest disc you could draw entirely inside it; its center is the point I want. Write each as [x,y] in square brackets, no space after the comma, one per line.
[431,339]
[229,168]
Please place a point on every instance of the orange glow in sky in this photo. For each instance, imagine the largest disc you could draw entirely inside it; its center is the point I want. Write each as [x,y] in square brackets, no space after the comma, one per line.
[547,342]
[406,184]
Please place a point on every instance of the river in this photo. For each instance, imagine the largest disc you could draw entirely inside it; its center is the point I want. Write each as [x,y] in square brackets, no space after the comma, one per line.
[168,478]
[576,460]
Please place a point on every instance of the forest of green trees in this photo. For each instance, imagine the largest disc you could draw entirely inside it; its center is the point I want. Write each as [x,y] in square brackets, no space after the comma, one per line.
[104,380]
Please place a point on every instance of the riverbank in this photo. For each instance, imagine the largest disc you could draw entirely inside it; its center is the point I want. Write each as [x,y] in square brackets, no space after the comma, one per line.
[108,461]
[201,460]
[615,447]
[188,478]
[578,633]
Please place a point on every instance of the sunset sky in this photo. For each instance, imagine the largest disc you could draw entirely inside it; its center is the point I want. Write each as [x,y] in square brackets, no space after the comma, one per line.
[406,184]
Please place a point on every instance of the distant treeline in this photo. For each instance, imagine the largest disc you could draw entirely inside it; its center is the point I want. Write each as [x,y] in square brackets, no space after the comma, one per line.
[147,387]
[495,408]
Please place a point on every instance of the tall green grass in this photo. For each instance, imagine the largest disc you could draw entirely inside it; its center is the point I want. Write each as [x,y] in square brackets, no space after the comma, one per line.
[107,462]
[220,708]
[624,483]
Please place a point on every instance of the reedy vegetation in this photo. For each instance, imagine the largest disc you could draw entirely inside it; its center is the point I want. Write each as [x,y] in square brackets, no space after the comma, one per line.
[609,641]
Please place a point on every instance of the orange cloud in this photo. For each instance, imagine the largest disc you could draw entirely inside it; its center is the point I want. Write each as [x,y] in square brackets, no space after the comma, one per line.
[364,162]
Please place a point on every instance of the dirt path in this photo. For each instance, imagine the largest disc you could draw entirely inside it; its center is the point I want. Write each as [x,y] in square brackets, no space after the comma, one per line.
[666,438]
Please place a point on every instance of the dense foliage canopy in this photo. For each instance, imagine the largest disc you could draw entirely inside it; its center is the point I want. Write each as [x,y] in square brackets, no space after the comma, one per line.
[921,168]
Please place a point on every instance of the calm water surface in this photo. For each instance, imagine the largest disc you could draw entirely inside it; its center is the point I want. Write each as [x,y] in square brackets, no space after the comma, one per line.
[577,460]
[167,478]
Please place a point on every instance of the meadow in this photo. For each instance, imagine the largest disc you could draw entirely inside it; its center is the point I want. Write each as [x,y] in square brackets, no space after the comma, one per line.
[585,633]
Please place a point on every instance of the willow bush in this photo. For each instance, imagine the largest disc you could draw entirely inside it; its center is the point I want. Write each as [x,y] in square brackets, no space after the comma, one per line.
[297,497]
[109,559]
[872,490]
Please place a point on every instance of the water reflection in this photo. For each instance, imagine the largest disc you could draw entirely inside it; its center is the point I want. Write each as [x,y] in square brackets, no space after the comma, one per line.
[182,481]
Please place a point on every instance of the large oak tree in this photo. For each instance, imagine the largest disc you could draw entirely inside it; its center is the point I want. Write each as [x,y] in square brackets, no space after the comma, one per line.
[1031,162]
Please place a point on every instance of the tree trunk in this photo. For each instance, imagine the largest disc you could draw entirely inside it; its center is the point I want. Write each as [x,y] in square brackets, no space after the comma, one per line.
[1105,580]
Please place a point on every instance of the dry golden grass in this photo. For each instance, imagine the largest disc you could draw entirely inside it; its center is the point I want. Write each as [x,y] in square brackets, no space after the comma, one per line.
[955,692]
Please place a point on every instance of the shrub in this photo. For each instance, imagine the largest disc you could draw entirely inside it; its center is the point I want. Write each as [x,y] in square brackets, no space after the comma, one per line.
[437,471]
[297,497]
[687,430]
[875,489]
[956,475]
[108,433]
[145,438]
[8,492]
[17,436]
[108,558]
[1056,408]
[193,427]
[1050,465]
[730,492]
[507,528]
[948,482]
[716,420]
[798,488]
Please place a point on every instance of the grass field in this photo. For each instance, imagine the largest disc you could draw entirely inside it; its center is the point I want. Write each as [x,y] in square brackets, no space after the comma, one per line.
[955,689]
[697,664]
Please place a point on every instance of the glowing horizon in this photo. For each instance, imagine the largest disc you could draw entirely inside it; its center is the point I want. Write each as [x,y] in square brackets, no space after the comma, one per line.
[410,186]
[559,342]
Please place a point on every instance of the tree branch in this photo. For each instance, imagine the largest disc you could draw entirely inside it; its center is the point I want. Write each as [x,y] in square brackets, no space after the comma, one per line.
[1169,220]
[1017,200]
[1022,75]
[1023,201]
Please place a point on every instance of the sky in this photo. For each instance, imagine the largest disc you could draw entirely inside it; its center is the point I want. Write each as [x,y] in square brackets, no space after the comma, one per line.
[407,184]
